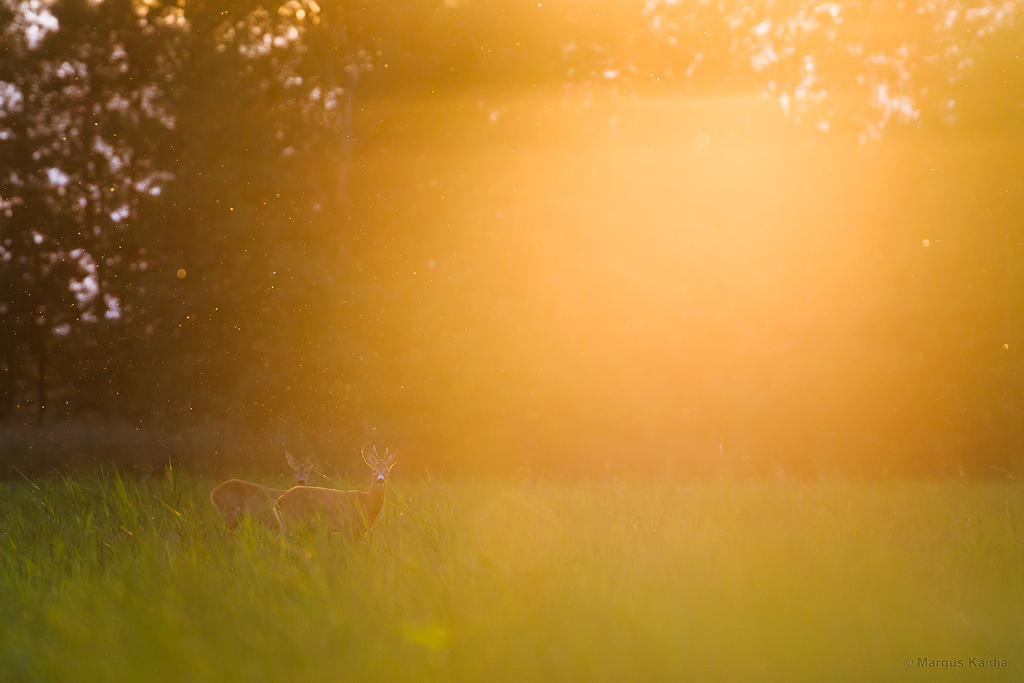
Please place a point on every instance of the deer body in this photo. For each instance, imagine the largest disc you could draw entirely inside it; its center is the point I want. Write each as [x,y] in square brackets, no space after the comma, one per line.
[345,511]
[237,498]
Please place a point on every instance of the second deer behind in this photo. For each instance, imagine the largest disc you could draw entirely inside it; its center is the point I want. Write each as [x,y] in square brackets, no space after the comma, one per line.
[237,498]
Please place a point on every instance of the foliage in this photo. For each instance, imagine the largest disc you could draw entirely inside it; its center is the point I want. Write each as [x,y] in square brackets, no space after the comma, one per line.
[85,109]
[872,64]
[850,67]
[91,134]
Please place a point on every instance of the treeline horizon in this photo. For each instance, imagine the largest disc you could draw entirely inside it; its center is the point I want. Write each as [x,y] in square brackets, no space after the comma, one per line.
[230,228]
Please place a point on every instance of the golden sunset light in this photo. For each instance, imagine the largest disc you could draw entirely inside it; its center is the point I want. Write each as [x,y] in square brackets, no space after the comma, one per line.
[482,340]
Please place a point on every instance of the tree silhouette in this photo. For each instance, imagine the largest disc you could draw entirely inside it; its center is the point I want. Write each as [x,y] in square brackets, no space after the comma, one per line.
[86,107]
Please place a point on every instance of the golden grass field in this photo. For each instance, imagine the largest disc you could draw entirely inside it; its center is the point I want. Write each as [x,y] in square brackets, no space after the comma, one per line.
[103,579]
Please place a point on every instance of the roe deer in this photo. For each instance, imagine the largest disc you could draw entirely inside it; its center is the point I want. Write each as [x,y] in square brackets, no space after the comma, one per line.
[352,511]
[236,498]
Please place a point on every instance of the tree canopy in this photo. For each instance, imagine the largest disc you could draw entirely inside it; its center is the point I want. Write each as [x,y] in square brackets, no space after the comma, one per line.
[175,176]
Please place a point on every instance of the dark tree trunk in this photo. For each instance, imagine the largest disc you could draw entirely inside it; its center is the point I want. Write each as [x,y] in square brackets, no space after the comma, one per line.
[40,352]
[7,380]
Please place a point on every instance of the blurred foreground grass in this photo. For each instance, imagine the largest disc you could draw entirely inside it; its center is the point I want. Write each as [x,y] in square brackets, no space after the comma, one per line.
[103,579]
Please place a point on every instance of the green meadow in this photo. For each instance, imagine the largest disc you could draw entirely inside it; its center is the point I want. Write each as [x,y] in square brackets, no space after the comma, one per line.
[104,578]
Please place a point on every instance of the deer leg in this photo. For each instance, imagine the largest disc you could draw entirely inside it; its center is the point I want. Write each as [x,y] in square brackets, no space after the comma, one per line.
[282,527]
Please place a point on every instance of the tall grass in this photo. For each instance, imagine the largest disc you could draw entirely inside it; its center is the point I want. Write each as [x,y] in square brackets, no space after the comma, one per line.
[106,579]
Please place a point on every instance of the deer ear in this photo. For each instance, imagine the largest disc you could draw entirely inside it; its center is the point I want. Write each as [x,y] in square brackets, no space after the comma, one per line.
[291,460]
[389,457]
[368,457]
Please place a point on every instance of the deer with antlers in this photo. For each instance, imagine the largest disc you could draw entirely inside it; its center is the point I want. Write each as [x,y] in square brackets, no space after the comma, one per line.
[346,511]
[236,498]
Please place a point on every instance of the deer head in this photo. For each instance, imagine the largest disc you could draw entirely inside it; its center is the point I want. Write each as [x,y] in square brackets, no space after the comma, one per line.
[381,465]
[302,469]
